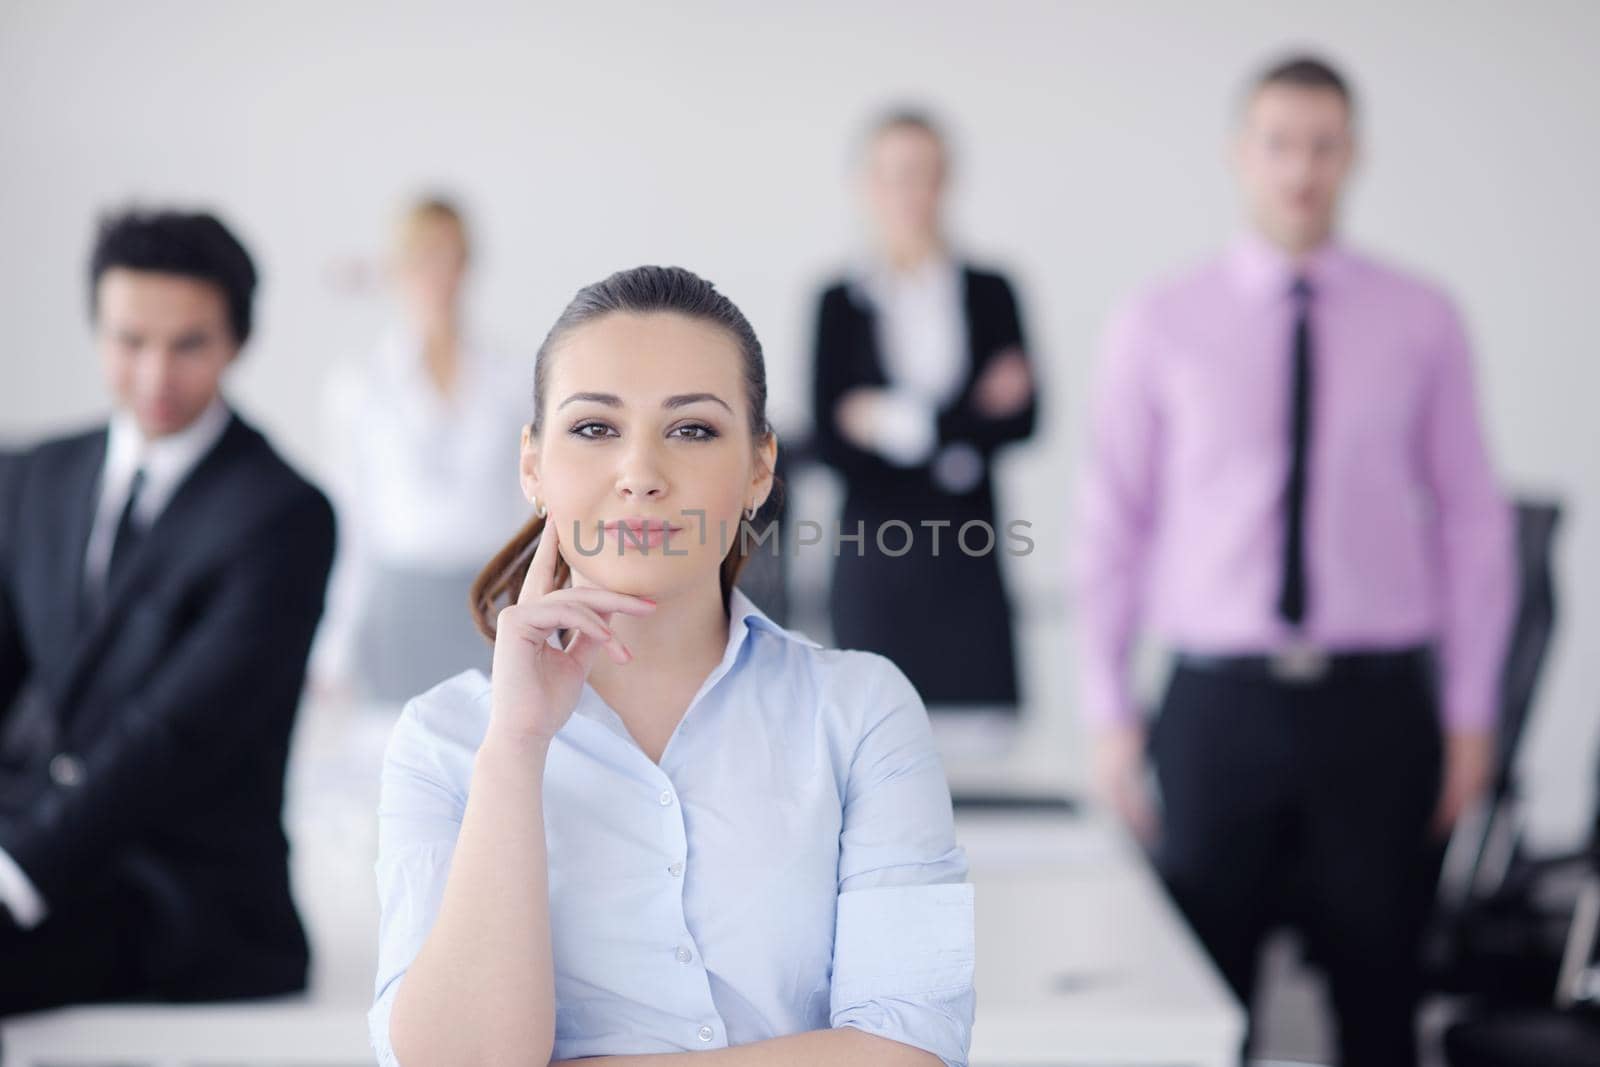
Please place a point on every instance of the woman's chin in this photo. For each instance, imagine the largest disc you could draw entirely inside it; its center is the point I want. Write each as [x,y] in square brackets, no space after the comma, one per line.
[637,573]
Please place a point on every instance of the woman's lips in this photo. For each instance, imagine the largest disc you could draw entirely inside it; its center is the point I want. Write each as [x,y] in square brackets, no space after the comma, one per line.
[642,535]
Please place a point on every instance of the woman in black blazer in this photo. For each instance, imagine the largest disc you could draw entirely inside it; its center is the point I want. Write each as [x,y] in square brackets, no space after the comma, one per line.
[921,375]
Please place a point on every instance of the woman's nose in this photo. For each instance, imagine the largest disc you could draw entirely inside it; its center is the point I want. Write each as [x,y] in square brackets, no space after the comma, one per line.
[641,476]
[634,490]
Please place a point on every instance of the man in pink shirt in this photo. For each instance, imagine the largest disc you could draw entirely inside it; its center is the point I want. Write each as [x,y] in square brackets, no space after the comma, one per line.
[1287,484]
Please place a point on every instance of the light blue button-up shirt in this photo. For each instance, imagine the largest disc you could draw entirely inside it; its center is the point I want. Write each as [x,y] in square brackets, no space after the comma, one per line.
[790,865]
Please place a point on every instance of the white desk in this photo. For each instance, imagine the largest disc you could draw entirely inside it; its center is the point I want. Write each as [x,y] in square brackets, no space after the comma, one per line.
[1081,960]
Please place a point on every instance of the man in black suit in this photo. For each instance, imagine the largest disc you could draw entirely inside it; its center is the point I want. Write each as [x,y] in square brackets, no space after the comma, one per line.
[160,580]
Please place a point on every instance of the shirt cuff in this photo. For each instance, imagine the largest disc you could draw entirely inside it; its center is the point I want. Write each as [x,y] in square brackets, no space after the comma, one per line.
[19,895]
[378,1024]
[905,430]
[1469,716]
[1106,696]
[903,966]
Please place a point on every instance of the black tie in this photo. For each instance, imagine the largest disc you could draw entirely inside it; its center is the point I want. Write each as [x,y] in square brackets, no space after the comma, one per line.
[129,533]
[1292,600]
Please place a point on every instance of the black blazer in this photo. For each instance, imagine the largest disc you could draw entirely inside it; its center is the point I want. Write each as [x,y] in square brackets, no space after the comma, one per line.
[146,743]
[847,356]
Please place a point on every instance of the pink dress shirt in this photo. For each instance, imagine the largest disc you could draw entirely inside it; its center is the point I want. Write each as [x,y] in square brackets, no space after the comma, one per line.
[1181,515]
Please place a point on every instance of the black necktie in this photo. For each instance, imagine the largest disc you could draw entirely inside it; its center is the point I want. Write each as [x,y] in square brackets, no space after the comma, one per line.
[1292,599]
[129,532]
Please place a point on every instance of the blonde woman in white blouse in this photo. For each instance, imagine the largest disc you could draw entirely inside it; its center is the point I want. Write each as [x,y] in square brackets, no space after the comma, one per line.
[419,431]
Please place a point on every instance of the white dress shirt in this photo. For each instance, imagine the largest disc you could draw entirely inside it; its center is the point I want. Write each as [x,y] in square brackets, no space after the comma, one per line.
[921,325]
[790,864]
[421,482]
[166,462]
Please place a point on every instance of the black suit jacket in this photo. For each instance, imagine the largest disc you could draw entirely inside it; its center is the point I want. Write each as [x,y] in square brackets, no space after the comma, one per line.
[899,606]
[145,743]
[847,356]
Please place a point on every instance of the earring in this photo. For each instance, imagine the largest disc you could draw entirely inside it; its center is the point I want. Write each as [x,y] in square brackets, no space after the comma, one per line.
[750,513]
[538,508]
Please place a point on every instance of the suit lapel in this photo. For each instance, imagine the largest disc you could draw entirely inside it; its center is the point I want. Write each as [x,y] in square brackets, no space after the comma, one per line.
[976,356]
[868,364]
[163,538]
[81,480]
[172,533]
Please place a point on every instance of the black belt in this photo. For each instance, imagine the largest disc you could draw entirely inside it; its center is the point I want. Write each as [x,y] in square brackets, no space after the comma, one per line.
[1308,666]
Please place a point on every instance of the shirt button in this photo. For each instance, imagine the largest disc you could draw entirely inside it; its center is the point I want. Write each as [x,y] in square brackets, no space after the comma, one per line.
[676,870]
[66,769]
[684,955]
[706,1033]
[666,797]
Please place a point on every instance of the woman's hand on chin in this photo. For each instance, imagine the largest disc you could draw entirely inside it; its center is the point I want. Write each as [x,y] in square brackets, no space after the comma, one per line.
[536,684]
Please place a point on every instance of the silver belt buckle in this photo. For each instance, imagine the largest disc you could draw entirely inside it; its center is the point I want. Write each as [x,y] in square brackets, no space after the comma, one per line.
[1299,664]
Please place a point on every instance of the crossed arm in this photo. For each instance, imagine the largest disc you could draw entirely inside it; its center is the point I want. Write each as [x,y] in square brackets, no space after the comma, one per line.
[467,880]
[465,995]
[841,1047]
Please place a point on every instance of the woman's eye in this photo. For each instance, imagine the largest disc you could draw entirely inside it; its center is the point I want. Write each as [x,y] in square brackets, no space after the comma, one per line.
[594,431]
[697,431]
[583,428]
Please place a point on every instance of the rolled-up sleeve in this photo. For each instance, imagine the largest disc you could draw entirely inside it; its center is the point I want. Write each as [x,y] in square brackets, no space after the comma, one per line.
[904,950]
[419,816]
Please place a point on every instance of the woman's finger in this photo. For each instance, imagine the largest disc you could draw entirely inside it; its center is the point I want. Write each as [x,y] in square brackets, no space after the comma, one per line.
[584,649]
[569,616]
[584,646]
[606,601]
[541,577]
[538,620]
[597,630]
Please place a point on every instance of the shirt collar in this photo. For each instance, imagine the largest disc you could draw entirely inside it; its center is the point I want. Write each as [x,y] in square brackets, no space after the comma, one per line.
[1265,269]
[165,460]
[870,280]
[744,617]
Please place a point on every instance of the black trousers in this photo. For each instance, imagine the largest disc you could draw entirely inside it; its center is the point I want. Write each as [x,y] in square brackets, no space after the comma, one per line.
[1307,805]
[86,949]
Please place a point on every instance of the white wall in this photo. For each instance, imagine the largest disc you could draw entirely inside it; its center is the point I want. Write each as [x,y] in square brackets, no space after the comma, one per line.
[714,135]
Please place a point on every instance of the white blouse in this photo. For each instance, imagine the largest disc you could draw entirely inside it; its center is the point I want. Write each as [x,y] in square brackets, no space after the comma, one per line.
[790,864]
[920,321]
[420,481]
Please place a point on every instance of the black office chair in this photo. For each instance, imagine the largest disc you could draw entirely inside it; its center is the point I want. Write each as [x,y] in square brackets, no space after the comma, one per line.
[1515,935]
[1483,938]
[1563,1031]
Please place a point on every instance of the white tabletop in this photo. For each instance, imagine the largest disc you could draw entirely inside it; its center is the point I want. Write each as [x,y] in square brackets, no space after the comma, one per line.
[1081,957]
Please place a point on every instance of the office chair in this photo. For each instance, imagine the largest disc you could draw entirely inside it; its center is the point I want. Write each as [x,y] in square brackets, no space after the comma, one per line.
[1486,935]
[1563,1031]
[1518,936]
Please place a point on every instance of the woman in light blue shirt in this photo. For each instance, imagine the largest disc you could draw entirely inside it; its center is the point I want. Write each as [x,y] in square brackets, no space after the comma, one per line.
[664,824]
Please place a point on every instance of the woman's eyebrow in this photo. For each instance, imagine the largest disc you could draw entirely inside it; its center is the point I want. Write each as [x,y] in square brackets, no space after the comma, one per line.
[684,399]
[612,400]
